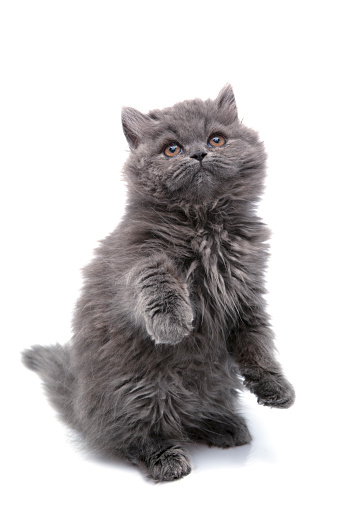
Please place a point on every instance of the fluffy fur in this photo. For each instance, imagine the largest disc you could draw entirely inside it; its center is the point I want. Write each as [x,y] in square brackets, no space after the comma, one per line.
[172,320]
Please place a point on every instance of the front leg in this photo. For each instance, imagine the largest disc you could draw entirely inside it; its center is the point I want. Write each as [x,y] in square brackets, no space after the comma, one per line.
[253,348]
[161,298]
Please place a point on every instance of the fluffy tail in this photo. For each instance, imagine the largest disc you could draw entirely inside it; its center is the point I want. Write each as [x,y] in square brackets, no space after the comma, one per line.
[53,365]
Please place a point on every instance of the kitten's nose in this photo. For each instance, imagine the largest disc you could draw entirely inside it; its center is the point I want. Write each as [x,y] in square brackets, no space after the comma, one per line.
[199,156]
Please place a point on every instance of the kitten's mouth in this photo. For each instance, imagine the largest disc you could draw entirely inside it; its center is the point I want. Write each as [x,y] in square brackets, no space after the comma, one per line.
[200,177]
[201,170]
[197,176]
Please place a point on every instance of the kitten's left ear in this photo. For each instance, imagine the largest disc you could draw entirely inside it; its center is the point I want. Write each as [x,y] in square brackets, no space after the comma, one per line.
[134,124]
[226,102]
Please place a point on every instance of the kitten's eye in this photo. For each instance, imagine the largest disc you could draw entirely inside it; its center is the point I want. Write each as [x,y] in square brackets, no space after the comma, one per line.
[173,149]
[216,140]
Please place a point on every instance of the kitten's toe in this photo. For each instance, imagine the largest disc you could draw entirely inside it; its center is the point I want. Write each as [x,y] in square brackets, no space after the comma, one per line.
[169,464]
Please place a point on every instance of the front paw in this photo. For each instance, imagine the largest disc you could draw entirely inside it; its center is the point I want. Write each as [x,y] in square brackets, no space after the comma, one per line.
[170,325]
[272,389]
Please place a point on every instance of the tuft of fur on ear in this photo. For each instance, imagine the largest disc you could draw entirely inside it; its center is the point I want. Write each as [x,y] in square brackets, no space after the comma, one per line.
[226,102]
[134,124]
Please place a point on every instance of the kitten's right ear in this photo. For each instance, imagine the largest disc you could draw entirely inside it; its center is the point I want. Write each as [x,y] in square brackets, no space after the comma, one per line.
[226,102]
[134,124]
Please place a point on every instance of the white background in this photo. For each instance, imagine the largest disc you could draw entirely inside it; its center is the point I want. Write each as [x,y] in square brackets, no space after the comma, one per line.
[67,68]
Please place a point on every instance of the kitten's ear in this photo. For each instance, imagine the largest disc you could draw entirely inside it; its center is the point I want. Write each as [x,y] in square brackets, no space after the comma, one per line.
[134,124]
[226,102]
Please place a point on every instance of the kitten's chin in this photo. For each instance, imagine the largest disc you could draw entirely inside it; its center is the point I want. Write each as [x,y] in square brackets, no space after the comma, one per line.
[199,193]
[203,189]
[199,186]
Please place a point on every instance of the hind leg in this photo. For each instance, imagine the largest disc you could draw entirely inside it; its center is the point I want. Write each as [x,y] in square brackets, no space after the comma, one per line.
[221,431]
[146,427]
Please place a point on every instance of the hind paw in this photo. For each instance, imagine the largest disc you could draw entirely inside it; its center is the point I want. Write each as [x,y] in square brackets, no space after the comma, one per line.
[169,464]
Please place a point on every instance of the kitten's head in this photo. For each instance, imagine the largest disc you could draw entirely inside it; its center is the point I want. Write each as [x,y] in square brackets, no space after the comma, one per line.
[194,152]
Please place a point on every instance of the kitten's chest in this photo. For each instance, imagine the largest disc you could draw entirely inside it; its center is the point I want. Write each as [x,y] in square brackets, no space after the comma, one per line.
[218,275]
[210,263]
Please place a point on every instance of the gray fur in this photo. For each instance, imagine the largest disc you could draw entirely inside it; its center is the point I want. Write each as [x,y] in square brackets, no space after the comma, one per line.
[172,309]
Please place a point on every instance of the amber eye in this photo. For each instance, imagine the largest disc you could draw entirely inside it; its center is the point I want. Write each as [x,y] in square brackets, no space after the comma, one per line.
[173,149]
[216,140]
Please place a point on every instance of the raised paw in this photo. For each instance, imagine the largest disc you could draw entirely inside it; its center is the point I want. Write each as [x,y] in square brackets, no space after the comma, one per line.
[168,464]
[271,389]
[169,323]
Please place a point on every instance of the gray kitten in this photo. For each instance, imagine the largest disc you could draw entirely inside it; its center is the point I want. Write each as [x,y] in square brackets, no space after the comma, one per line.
[172,316]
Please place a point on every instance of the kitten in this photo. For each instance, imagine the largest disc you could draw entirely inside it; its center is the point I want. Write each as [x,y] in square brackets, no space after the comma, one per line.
[172,315]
